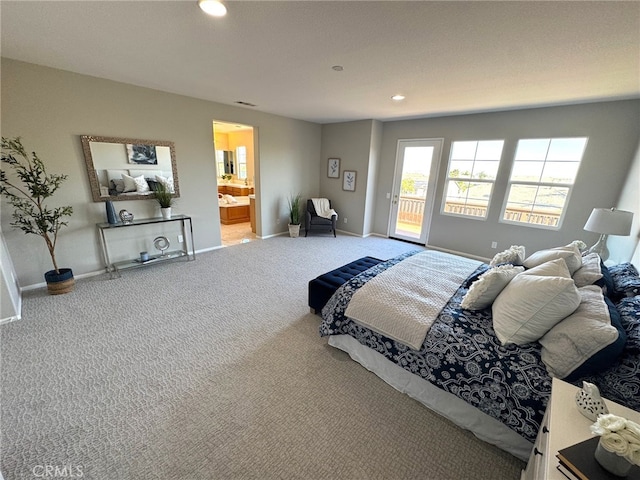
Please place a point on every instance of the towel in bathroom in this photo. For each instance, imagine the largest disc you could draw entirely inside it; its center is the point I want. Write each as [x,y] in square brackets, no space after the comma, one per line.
[322,208]
[230,199]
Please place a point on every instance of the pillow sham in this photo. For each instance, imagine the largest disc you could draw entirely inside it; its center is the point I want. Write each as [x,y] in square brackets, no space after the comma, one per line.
[118,185]
[531,305]
[486,288]
[626,282]
[586,342]
[141,184]
[590,271]
[570,253]
[513,255]
[129,183]
[167,182]
[553,268]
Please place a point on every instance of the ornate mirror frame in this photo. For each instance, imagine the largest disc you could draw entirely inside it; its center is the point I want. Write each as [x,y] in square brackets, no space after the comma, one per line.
[95,166]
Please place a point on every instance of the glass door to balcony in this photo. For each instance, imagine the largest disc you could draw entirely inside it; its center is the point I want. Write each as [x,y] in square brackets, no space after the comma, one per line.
[417,163]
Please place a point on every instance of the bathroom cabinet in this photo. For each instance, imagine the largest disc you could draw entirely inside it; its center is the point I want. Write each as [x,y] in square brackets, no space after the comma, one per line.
[235,190]
[186,250]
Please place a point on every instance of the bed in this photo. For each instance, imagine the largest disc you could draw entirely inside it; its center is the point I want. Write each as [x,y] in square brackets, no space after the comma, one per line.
[462,369]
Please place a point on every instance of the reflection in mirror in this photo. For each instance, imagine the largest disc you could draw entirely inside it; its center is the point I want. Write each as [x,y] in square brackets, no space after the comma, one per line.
[129,169]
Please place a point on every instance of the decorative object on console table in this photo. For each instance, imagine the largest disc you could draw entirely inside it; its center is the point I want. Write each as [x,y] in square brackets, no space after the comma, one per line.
[161,243]
[126,217]
[607,222]
[112,218]
[31,214]
[589,402]
[165,199]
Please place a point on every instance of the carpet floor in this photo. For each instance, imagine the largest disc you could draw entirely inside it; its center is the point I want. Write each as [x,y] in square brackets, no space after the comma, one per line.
[214,369]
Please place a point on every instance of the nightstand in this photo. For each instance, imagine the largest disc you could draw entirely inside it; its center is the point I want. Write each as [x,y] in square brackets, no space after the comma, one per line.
[563,425]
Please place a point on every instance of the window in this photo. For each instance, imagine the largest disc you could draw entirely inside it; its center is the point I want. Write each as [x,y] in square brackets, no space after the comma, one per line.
[473,167]
[241,153]
[542,176]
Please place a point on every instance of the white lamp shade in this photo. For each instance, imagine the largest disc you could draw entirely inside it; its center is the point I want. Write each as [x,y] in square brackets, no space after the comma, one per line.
[609,221]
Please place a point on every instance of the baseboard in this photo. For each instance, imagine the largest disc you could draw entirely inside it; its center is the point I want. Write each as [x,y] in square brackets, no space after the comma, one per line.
[461,254]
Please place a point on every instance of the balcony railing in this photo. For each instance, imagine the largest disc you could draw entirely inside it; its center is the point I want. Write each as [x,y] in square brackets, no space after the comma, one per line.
[411,211]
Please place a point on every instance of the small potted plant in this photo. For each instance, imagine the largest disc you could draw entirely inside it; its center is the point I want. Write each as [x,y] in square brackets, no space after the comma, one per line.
[226,178]
[30,211]
[165,199]
[294,215]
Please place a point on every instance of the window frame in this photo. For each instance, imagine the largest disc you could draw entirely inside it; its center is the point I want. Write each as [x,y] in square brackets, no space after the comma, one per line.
[538,184]
[470,179]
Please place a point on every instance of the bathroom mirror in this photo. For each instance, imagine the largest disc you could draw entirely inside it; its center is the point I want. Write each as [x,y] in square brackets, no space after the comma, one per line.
[129,168]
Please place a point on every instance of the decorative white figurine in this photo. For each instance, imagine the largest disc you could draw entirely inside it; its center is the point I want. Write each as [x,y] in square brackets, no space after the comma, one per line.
[589,402]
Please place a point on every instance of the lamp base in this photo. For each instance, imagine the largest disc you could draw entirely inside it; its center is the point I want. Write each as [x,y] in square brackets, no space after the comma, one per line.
[600,248]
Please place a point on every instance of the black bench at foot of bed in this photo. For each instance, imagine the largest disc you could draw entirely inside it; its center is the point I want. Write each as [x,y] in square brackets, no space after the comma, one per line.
[322,287]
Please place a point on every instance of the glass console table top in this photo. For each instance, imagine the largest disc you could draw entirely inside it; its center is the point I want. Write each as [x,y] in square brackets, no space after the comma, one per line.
[144,221]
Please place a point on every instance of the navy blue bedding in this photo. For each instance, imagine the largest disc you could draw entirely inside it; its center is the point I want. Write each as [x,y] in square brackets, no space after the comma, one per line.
[462,355]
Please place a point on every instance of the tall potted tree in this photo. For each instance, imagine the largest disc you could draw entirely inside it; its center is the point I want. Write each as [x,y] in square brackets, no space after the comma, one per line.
[294,215]
[31,214]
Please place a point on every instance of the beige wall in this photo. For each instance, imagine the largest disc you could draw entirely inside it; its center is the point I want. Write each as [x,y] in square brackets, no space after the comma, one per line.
[627,249]
[612,128]
[51,108]
[351,143]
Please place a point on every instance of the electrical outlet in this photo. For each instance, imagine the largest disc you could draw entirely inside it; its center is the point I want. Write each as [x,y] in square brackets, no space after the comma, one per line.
[345,219]
[180,239]
[494,244]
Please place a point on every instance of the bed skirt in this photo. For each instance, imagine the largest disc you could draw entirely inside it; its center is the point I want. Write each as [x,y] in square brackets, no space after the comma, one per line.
[449,406]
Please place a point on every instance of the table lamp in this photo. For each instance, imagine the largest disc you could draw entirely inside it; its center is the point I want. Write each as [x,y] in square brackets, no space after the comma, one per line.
[607,221]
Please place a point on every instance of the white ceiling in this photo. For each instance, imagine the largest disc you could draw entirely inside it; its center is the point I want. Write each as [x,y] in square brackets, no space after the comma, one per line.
[446,57]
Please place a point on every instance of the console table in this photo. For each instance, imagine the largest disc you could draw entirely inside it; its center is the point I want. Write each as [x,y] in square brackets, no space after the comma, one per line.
[114,268]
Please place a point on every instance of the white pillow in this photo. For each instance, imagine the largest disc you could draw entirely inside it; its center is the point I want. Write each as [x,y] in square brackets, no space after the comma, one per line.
[590,272]
[554,268]
[486,288]
[141,184]
[145,173]
[167,182]
[579,336]
[129,183]
[570,253]
[531,305]
[514,255]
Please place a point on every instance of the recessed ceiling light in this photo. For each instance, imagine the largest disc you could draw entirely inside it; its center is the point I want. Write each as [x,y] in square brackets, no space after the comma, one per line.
[397,98]
[213,7]
[337,68]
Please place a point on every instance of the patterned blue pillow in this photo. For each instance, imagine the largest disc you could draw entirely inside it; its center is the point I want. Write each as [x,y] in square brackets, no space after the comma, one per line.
[621,382]
[626,282]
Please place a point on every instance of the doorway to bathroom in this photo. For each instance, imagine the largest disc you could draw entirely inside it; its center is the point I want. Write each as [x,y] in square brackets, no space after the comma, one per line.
[235,167]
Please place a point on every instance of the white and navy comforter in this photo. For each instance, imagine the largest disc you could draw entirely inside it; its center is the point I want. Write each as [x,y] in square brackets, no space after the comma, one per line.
[462,355]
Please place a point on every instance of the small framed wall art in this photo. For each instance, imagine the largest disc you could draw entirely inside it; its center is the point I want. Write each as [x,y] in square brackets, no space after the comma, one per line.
[349,181]
[333,169]
[142,154]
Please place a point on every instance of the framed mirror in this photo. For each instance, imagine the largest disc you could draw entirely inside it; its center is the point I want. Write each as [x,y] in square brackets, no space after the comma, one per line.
[129,168]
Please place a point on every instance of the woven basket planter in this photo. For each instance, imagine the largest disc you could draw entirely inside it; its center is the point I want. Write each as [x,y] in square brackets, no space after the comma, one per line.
[58,283]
